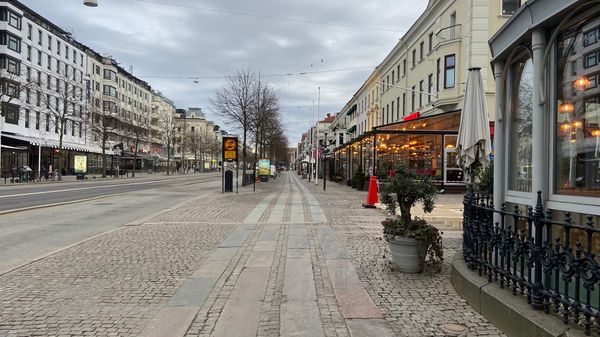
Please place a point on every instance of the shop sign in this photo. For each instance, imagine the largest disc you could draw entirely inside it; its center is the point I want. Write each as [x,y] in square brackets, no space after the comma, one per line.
[264,167]
[230,148]
[412,116]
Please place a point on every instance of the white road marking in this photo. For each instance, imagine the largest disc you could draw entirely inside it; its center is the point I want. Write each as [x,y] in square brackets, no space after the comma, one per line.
[80,188]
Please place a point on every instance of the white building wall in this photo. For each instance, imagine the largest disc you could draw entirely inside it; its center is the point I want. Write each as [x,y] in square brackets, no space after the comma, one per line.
[42,45]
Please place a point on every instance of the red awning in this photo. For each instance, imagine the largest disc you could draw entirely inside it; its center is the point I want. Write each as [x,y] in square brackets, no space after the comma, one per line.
[412,116]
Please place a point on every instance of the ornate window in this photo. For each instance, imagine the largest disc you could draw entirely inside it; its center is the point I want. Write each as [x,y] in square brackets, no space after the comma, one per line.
[521,116]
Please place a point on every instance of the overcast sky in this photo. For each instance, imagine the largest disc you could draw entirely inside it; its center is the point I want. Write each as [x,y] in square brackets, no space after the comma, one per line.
[169,42]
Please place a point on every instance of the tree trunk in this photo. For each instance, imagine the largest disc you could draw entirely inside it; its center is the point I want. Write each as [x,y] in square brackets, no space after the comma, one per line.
[104,155]
[60,149]
[137,142]
[168,159]
[404,210]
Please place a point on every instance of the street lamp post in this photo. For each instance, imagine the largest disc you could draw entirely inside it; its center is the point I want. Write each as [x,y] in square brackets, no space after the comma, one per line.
[325,146]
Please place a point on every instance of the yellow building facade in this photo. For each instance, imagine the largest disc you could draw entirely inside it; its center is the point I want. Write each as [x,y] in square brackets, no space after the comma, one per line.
[421,82]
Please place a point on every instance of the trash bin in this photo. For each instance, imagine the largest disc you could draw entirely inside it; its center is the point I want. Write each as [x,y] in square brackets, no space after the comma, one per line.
[228,181]
[249,179]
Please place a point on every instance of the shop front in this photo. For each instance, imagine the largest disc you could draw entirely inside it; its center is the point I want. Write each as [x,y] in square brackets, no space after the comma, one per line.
[40,155]
[546,200]
[425,145]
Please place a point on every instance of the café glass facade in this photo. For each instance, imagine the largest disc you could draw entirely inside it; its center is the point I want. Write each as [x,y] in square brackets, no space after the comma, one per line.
[545,211]
[547,70]
[425,145]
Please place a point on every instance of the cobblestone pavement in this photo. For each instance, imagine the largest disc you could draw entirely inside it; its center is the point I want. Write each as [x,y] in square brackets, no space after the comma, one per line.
[414,304]
[110,285]
[287,260]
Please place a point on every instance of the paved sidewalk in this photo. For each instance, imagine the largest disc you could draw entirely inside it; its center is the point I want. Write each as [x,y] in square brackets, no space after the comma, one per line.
[287,260]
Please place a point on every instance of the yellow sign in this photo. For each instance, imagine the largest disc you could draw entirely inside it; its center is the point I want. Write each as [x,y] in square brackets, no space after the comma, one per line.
[80,164]
[230,146]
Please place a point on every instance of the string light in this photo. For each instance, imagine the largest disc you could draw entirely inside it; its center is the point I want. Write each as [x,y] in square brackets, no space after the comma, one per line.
[566,107]
[581,83]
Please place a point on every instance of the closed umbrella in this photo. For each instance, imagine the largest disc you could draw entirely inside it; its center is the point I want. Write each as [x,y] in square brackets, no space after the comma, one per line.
[474,143]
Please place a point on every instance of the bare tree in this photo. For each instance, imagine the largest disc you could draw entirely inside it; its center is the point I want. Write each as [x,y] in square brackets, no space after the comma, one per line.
[168,128]
[102,122]
[182,137]
[62,99]
[139,130]
[12,87]
[235,103]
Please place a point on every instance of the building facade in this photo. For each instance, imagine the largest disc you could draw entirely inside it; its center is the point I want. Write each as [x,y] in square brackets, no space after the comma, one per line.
[119,112]
[408,110]
[60,98]
[546,195]
[548,111]
[43,92]
[197,141]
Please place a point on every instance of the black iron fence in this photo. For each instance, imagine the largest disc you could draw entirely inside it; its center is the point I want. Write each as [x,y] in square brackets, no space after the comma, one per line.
[552,262]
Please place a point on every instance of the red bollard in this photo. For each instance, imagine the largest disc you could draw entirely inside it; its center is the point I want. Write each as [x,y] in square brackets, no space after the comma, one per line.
[372,198]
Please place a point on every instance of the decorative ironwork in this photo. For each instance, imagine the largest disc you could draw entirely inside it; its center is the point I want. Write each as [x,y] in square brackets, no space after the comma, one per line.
[551,262]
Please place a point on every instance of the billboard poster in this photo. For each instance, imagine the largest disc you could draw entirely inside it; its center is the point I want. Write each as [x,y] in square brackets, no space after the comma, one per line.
[264,167]
[230,148]
[80,164]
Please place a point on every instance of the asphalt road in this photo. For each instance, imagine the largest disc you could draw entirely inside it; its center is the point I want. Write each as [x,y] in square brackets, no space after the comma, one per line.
[27,196]
[31,234]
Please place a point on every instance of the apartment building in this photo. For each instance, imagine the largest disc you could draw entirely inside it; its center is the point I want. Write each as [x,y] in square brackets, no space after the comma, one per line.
[43,85]
[61,98]
[197,140]
[162,114]
[408,109]
[119,109]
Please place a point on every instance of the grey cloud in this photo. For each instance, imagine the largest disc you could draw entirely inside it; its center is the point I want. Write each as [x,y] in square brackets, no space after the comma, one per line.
[161,40]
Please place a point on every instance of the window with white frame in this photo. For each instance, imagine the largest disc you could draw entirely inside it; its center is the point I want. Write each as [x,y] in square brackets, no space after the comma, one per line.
[521,119]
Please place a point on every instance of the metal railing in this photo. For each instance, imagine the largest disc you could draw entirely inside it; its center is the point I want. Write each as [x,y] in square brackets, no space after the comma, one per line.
[447,34]
[551,262]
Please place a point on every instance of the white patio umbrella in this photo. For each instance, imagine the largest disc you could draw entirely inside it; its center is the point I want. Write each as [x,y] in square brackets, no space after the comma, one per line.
[474,142]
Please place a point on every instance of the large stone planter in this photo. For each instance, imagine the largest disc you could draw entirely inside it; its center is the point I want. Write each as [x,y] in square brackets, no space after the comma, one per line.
[408,254]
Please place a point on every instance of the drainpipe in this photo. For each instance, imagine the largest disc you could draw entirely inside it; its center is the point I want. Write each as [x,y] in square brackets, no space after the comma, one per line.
[539,164]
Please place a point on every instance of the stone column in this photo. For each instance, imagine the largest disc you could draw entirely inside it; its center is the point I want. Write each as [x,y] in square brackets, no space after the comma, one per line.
[540,118]
[499,138]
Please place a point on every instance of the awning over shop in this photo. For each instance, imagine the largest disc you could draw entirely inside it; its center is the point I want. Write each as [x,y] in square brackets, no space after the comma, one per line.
[351,129]
[54,144]
[14,147]
[351,110]
[443,123]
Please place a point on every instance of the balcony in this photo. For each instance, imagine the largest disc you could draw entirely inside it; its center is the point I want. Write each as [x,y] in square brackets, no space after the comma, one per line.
[447,35]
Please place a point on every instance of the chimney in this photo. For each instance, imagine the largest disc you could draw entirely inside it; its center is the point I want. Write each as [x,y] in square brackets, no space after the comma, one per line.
[328,115]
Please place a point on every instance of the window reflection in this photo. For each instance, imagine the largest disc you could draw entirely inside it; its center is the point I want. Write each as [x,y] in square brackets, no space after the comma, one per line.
[578,111]
[520,142]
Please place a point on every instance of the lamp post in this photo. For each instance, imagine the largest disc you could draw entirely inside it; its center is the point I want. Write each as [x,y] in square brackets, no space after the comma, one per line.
[325,146]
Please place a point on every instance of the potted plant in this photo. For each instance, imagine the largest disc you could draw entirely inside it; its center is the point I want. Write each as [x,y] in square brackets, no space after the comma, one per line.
[366,182]
[359,179]
[411,239]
